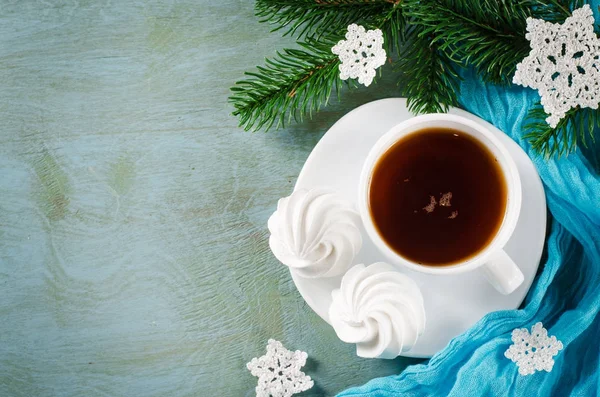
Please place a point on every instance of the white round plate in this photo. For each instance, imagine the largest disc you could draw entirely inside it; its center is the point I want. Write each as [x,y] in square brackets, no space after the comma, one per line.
[452,303]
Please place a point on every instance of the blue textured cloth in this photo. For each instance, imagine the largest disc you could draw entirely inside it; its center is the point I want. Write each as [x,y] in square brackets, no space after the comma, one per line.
[565,296]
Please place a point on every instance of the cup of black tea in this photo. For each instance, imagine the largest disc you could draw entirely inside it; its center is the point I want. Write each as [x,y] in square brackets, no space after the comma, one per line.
[440,194]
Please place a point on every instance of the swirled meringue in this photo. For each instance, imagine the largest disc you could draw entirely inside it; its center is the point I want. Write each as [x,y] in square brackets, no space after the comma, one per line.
[379,309]
[315,233]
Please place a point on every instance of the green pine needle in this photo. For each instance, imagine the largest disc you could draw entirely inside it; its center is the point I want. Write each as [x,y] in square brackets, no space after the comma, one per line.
[305,18]
[299,82]
[427,42]
[294,83]
[489,35]
[576,128]
[431,83]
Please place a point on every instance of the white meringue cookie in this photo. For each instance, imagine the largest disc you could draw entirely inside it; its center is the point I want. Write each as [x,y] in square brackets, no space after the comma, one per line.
[379,309]
[315,233]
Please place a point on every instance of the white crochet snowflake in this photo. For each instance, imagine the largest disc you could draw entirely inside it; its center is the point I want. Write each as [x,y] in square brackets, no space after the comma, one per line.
[564,63]
[533,352]
[361,53]
[278,371]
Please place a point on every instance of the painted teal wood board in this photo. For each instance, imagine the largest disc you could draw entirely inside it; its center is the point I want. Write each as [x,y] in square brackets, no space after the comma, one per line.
[134,258]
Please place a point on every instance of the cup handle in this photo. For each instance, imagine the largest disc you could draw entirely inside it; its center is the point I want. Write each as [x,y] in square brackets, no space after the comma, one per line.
[503,273]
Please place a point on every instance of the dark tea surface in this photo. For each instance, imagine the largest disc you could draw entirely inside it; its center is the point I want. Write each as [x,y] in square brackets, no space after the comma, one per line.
[437,197]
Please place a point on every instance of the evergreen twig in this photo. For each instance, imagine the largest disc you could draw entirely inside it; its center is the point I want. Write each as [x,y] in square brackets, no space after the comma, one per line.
[431,83]
[488,34]
[431,39]
[576,128]
[318,18]
[299,82]
[294,83]
[305,18]
[394,27]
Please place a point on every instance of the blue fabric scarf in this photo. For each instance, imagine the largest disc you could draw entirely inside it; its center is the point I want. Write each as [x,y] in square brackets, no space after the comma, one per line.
[565,296]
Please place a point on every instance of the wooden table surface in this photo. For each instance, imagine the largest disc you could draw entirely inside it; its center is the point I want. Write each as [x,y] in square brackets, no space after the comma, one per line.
[133,241]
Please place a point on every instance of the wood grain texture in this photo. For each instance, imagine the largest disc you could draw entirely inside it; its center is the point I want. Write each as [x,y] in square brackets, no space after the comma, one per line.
[133,240]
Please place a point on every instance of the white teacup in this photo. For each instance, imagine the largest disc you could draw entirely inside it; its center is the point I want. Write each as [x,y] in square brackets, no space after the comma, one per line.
[498,267]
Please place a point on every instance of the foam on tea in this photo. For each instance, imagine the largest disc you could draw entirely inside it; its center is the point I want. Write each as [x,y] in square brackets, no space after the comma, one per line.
[437,197]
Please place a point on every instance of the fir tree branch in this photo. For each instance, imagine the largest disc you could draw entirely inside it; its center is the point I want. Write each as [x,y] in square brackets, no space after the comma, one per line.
[488,34]
[434,37]
[299,82]
[557,10]
[295,82]
[305,18]
[576,128]
[393,25]
[431,83]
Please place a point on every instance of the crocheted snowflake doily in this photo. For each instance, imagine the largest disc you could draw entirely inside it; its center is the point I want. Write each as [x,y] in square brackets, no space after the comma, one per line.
[563,65]
[278,371]
[533,352]
[361,53]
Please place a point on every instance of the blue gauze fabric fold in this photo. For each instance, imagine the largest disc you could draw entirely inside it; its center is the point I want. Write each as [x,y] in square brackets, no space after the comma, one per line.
[565,296]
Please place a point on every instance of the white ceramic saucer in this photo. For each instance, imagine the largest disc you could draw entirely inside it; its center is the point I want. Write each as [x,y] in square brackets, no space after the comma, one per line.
[452,303]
